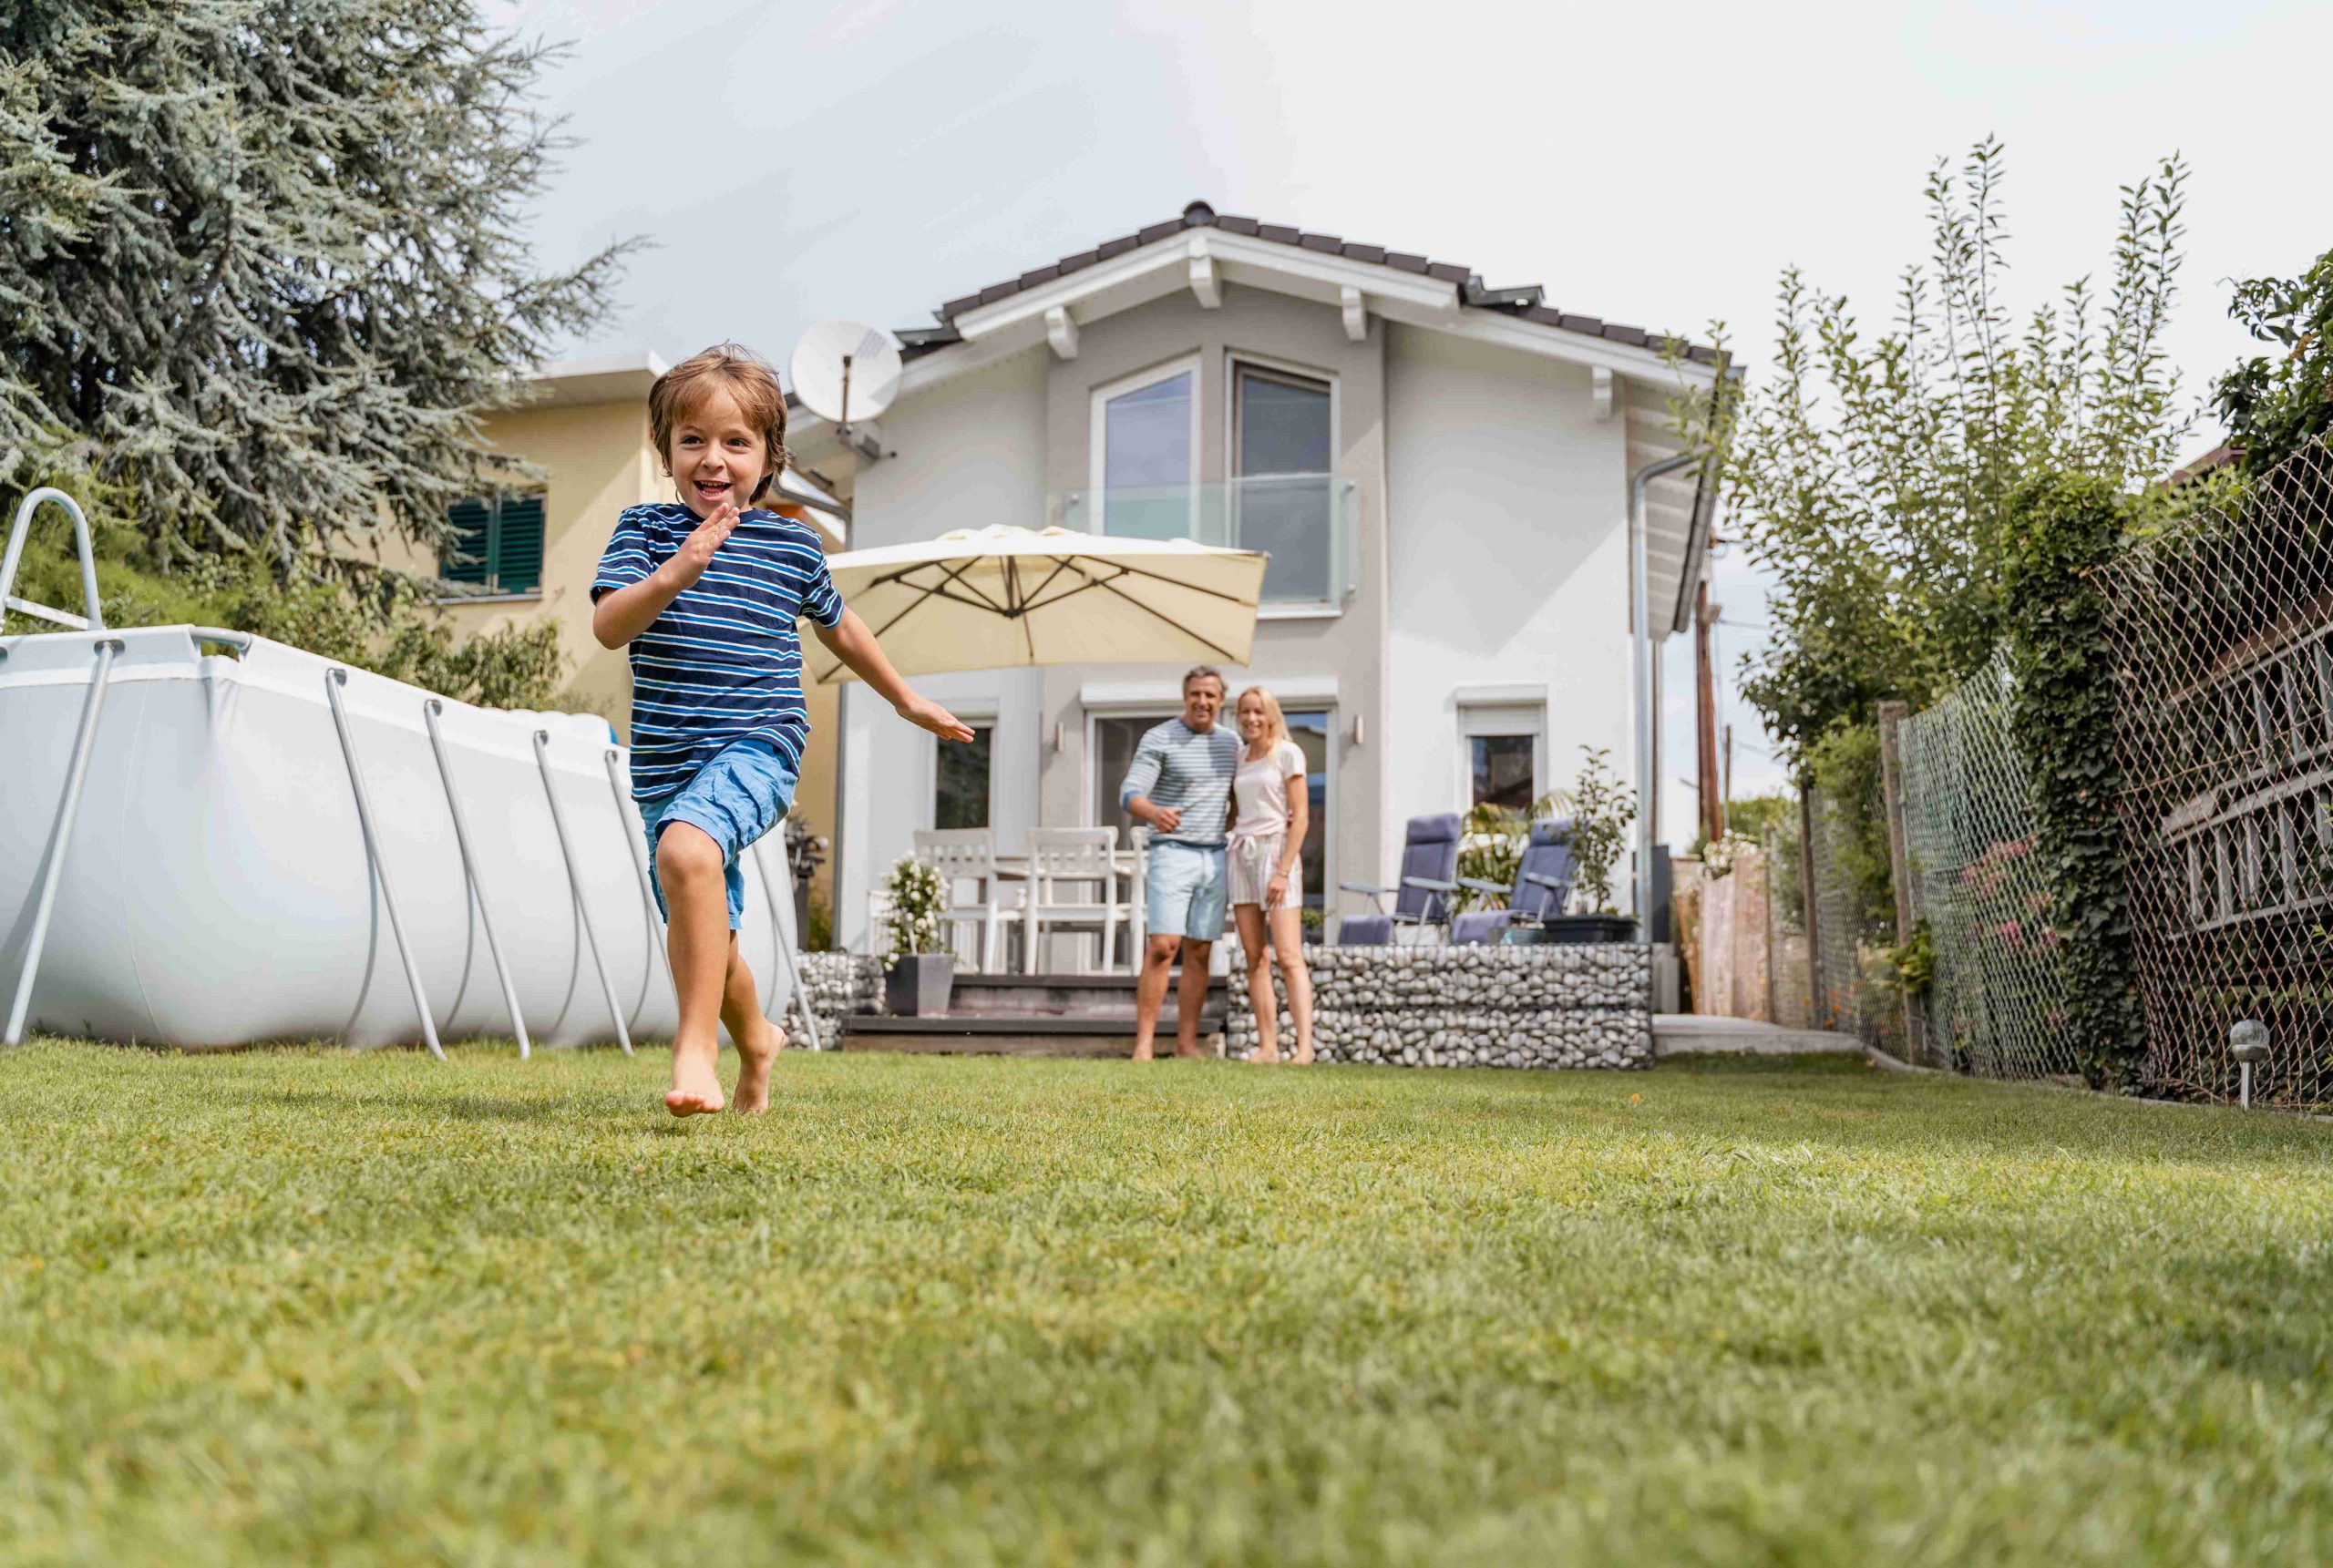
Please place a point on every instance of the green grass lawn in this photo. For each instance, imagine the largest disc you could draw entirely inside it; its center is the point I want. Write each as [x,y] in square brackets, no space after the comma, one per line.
[310,1306]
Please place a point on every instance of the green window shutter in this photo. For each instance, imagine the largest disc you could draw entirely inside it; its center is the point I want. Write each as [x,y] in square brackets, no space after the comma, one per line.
[472,522]
[518,545]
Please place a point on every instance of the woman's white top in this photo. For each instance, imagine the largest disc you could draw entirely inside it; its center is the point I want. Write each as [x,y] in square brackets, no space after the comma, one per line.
[1261,788]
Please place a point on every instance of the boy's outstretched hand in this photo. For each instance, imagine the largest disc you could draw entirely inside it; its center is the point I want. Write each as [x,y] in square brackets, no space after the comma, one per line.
[925,713]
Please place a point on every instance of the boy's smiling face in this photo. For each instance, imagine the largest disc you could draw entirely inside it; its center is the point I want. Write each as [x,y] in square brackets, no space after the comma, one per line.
[719,459]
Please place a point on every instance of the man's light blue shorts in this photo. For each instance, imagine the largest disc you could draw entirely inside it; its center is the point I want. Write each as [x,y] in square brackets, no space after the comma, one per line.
[736,798]
[1190,891]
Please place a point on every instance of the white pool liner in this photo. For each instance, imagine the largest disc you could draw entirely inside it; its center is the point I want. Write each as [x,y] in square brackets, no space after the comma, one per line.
[217,889]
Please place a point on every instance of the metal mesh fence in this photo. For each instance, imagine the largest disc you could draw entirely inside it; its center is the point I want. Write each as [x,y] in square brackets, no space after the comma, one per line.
[2223,634]
[1997,1004]
[1853,923]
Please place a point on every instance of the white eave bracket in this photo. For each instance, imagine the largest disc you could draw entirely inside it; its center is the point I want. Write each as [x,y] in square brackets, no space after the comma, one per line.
[1061,331]
[1205,285]
[1602,375]
[1356,314]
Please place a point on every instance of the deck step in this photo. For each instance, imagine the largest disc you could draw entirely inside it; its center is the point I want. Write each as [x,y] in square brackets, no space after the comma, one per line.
[973,1034]
[1056,996]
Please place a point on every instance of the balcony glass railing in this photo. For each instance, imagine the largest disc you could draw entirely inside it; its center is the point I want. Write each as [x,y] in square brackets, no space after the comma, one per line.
[1308,523]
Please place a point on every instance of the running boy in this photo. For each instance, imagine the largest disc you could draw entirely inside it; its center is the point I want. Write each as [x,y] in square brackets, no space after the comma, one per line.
[706,590]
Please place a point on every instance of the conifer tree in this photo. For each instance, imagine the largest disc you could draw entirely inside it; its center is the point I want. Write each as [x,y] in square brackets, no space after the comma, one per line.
[260,261]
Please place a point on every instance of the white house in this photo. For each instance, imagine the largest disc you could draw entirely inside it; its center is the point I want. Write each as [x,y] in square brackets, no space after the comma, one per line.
[1440,470]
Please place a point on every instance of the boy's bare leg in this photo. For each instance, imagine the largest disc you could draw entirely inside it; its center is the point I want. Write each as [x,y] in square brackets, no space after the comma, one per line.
[1150,990]
[1190,997]
[688,868]
[759,1040]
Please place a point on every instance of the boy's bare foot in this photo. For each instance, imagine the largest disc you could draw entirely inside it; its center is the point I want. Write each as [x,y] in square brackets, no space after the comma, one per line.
[754,1057]
[1303,1057]
[696,1087]
[1142,1053]
[1268,1058]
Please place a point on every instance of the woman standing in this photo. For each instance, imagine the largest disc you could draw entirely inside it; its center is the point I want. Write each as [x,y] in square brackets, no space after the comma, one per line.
[1269,812]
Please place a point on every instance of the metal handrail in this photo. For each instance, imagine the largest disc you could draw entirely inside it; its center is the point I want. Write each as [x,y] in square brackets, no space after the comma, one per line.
[640,865]
[575,884]
[335,679]
[93,614]
[61,835]
[785,944]
[430,709]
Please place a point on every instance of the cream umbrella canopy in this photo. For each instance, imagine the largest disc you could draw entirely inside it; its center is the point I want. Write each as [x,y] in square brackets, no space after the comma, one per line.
[996,598]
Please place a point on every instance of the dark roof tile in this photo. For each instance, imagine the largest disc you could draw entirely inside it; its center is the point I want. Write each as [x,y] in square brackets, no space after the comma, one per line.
[1525,303]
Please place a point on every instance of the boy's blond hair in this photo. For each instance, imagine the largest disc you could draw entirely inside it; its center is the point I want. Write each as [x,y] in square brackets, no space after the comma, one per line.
[744,375]
[1275,721]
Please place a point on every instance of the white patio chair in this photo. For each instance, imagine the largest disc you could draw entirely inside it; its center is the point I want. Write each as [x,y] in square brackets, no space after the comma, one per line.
[969,855]
[1139,896]
[1068,865]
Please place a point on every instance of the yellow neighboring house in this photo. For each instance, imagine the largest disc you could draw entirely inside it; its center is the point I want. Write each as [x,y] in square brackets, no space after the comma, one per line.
[585,426]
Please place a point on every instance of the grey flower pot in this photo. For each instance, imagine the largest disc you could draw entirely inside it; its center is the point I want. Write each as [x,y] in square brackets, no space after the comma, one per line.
[918,984]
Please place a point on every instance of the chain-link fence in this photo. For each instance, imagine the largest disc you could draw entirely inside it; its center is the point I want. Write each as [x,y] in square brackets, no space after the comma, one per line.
[1851,984]
[2223,634]
[1996,1004]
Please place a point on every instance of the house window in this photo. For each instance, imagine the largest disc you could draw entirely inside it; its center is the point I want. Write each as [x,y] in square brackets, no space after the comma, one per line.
[498,543]
[959,791]
[1145,455]
[1282,496]
[1502,751]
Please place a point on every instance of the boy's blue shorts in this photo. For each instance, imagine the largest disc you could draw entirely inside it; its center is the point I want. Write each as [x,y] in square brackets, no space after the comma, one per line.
[739,795]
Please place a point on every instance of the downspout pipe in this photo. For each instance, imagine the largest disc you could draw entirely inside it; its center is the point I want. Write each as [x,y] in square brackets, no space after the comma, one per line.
[1640,617]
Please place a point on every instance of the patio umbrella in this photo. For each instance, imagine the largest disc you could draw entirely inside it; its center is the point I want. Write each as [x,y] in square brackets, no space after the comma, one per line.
[991,599]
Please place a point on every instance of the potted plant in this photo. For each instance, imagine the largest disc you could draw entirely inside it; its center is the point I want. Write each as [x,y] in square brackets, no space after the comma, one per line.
[918,973]
[1602,807]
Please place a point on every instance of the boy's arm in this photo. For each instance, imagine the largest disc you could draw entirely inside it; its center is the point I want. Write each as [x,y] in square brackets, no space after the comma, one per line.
[849,640]
[622,613]
[1150,758]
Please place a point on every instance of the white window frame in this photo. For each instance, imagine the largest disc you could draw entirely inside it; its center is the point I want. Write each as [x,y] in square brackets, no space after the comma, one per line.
[1097,432]
[1295,610]
[976,712]
[1503,716]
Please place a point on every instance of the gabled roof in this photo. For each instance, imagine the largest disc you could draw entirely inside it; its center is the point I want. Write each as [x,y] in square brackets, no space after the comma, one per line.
[1528,301]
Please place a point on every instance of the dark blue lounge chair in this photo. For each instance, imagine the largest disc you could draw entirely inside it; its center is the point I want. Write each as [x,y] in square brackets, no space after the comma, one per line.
[1429,872]
[1542,886]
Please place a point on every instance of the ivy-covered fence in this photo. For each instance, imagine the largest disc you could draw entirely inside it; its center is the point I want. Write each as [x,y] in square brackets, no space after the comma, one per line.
[2121,833]
[2221,631]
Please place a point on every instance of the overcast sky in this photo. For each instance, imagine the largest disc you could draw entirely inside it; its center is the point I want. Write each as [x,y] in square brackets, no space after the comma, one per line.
[1654,165]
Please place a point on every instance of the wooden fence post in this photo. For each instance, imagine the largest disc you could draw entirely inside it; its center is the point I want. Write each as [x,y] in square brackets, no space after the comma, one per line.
[1892,715]
[1818,1001]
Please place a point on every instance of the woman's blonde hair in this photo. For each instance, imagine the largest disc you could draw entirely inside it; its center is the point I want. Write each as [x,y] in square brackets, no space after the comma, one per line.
[1273,718]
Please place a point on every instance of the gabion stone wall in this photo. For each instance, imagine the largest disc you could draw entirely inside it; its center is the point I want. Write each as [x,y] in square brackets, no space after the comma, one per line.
[1490,1006]
[837,984]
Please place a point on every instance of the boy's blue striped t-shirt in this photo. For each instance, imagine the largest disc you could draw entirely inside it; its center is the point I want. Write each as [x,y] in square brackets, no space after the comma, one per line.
[724,662]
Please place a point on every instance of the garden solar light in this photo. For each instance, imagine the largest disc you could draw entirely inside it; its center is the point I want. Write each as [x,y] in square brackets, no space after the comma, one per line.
[2247,1042]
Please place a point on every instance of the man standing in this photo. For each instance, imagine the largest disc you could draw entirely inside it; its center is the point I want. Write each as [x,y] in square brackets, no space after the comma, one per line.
[1181,787]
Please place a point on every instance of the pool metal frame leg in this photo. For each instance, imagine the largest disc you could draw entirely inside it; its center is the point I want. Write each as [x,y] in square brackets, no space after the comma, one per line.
[60,837]
[656,934]
[335,679]
[786,943]
[575,883]
[429,712]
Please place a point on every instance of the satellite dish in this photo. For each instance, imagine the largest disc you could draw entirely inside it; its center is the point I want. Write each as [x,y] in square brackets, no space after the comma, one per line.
[845,371]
